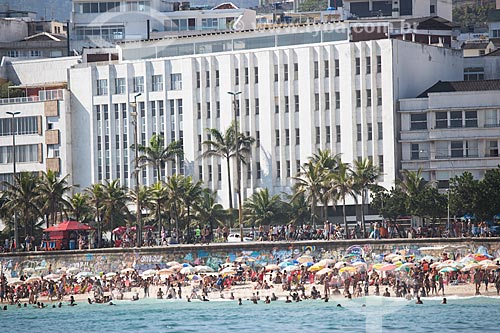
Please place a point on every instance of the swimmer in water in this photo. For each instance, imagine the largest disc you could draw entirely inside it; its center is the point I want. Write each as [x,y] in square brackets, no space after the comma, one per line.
[444,301]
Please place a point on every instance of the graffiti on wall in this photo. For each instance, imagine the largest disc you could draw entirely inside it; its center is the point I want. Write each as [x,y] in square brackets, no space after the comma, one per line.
[215,257]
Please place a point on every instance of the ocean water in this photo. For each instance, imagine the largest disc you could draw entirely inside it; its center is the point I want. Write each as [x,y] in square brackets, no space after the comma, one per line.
[479,314]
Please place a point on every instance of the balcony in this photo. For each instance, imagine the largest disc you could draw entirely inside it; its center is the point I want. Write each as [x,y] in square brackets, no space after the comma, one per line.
[52,137]
[54,164]
[44,95]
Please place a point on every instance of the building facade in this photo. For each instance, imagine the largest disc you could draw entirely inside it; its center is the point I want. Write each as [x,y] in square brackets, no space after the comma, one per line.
[450,129]
[295,99]
[397,8]
[42,119]
[105,23]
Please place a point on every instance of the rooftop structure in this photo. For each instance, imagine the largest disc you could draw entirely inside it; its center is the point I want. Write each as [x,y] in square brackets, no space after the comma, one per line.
[102,23]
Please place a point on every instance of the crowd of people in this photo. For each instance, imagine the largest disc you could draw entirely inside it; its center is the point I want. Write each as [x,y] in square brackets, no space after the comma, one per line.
[290,232]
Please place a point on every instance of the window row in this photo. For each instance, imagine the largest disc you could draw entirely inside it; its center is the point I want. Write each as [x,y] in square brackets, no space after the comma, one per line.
[138,85]
[446,119]
[24,154]
[369,132]
[113,6]
[22,126]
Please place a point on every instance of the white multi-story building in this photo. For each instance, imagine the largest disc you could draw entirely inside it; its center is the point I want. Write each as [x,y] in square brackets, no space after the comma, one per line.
[397,8]
[42,121]
[301,91]
[102,23]
[451,128]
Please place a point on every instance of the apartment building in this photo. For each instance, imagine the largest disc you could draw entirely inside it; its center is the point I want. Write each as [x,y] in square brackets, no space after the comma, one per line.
[302,89]
[397,8]
[98,23]
[450,128]
[40,121]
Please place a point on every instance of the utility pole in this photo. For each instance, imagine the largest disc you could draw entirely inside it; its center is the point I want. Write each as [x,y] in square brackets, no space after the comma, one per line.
[13,128]
[136,171]
[238,164]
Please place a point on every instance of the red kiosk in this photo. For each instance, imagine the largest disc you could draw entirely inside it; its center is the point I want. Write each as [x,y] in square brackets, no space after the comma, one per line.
[64,236]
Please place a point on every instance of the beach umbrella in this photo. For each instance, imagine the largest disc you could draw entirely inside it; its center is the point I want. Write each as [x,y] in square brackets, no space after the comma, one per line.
[84,274]
[428,258]
[149,272]
[359,264]
[489,266]
[326,262]
[204,269]
[323,271]
[127,270]
[348,269]
[341,264]
[165,271]
[403,268]
[287,263]
[110,275]
[16,283]
[307,264]
[33,279]
[228,271]
[388,267]
[194,277]
[290,268]
[436,264]
[187,270]
[305,258]
[448,270]
[272,267]
[397,258]
[52,277]
[316,267]
[172,263]
[377,266]
[186,265]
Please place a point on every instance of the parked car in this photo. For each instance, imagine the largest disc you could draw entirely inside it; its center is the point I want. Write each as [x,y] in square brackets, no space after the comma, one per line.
[236,238]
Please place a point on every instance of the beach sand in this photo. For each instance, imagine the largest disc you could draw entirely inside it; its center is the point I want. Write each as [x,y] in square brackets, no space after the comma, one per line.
[245,292]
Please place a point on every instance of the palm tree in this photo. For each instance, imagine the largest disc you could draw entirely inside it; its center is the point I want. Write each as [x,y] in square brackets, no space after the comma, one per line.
[299,209]
[157,200]
[114,204]
[412,184]
[96,197]
[342,183]
[192,193]
[175,189]
[157,155]
[365,178]
[223,145]
[80,208]
[261,208]
[51,192]
[21,198]
[310,182]
[208,210]
[329,163]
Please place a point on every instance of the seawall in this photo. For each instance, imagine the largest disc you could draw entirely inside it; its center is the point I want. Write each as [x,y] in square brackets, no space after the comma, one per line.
[115,259]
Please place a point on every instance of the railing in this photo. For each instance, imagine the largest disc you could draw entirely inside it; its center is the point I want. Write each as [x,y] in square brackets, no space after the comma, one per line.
[43,95]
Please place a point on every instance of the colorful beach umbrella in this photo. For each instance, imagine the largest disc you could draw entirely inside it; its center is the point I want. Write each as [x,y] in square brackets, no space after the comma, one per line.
[386,268]
[305,258]
[272,267]
[448,270]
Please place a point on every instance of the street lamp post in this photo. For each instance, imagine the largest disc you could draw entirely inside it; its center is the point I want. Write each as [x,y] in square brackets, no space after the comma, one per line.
[13,128]
[136,171]
[238,165]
